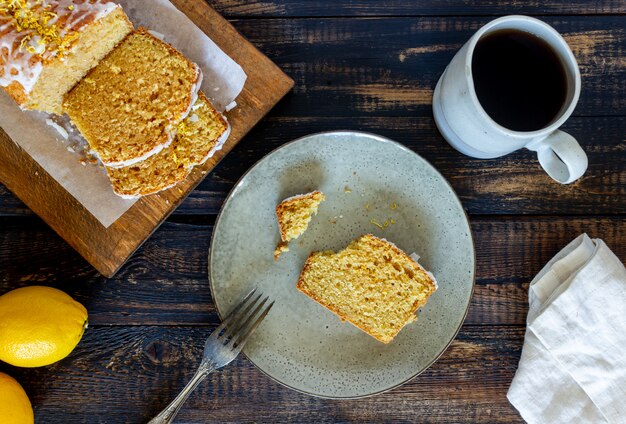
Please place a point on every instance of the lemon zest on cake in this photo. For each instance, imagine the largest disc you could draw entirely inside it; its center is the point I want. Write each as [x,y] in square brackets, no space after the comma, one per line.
[37,17]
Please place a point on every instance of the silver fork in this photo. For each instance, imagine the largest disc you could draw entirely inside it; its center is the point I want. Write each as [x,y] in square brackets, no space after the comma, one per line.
[222,347]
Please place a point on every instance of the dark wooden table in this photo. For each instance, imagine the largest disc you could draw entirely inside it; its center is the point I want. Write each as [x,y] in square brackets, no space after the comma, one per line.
[365,65]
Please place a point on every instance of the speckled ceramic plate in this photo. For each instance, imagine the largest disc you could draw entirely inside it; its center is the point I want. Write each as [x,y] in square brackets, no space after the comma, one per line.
[368,180]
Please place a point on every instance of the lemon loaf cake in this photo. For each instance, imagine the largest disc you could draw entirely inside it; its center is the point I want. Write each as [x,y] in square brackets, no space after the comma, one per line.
[294,215]
[371,283]
[199,135]
[129,105]
[46,47]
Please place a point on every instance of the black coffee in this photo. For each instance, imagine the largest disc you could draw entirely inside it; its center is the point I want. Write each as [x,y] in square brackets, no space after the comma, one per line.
[519,79]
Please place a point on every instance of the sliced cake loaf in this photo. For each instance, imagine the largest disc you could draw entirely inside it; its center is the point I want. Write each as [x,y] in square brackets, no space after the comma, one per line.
[198,137]
[129,105]
[294,215]
[371,283]
[47,47]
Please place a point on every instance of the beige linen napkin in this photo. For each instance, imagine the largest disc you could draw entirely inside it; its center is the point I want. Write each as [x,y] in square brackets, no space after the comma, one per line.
[573,364]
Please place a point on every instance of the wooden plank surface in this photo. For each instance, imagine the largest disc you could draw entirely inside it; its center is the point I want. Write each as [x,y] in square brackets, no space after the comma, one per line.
[358,64]
[514,184]
[389,66]
[108,248]
[123,374]
[166,282]
[318,8]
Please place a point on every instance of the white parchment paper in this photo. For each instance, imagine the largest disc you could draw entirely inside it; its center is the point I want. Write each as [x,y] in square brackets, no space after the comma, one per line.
[223,81]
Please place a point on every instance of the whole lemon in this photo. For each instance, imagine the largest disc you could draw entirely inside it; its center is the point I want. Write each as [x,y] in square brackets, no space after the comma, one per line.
[39,326]
[15,407]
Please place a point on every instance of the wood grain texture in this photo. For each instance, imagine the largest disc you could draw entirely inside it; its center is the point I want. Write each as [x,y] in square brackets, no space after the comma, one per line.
[318,8]
[108,248]
[166,283]
[370,68]
[389,66]
[128,374]
[514,184]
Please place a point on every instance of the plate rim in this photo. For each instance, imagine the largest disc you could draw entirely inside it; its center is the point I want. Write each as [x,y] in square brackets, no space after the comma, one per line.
[377,138]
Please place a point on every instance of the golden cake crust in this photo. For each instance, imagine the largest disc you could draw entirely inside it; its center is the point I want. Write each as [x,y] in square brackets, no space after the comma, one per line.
[377,244]
[129,105]
[195,141]
[46,50]
[293,215]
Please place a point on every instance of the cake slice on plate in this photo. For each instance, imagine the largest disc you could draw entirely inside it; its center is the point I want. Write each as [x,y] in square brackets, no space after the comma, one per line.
[294,215]
[371,283]
[47,47]
[129,106]
[198,137]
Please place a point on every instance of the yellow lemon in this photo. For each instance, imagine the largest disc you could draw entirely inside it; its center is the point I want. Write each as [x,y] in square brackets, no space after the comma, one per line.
[15,407]
[39,326]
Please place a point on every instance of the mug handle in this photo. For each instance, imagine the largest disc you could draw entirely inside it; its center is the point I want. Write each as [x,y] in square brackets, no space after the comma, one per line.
[560,156]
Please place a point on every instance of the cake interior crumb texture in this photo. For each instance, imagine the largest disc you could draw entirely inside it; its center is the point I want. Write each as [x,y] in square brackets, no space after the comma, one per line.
[196,137]
[371,283]
[92,40]
[294,215]
[129,105]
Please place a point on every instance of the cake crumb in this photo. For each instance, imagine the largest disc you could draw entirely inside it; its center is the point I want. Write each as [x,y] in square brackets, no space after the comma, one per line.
[380,299]
[384,225]
[294,215]
[373,222]
[347,189]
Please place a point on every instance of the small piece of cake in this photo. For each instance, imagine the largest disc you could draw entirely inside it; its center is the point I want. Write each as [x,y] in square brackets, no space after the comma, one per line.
[129,105]
[47,47]
[201,134]
[371,284]
[294,215]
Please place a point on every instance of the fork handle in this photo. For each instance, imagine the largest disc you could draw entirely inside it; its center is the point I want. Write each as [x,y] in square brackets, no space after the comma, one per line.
[169,413]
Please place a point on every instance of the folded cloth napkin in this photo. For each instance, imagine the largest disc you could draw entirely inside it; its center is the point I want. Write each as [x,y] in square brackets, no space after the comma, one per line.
[573,364]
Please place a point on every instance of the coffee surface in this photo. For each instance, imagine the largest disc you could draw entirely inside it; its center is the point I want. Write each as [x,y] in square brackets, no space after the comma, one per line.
[519,79]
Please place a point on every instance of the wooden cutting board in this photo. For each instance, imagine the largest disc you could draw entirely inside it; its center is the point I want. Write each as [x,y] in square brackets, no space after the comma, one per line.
[108,248]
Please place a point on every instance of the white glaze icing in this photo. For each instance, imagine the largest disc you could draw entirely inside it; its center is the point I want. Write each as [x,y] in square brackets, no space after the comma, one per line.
[220,142]
[62,131]
[194,91]
[416,259]
[157,34]
[129,162]
[218,146]
[297,196]
[139,196]
[17,63]
[171,132]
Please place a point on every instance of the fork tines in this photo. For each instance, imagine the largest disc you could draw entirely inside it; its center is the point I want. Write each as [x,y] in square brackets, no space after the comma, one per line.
[243,320]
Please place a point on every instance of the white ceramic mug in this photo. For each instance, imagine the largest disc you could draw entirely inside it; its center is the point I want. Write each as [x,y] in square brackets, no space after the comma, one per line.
[468,128]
